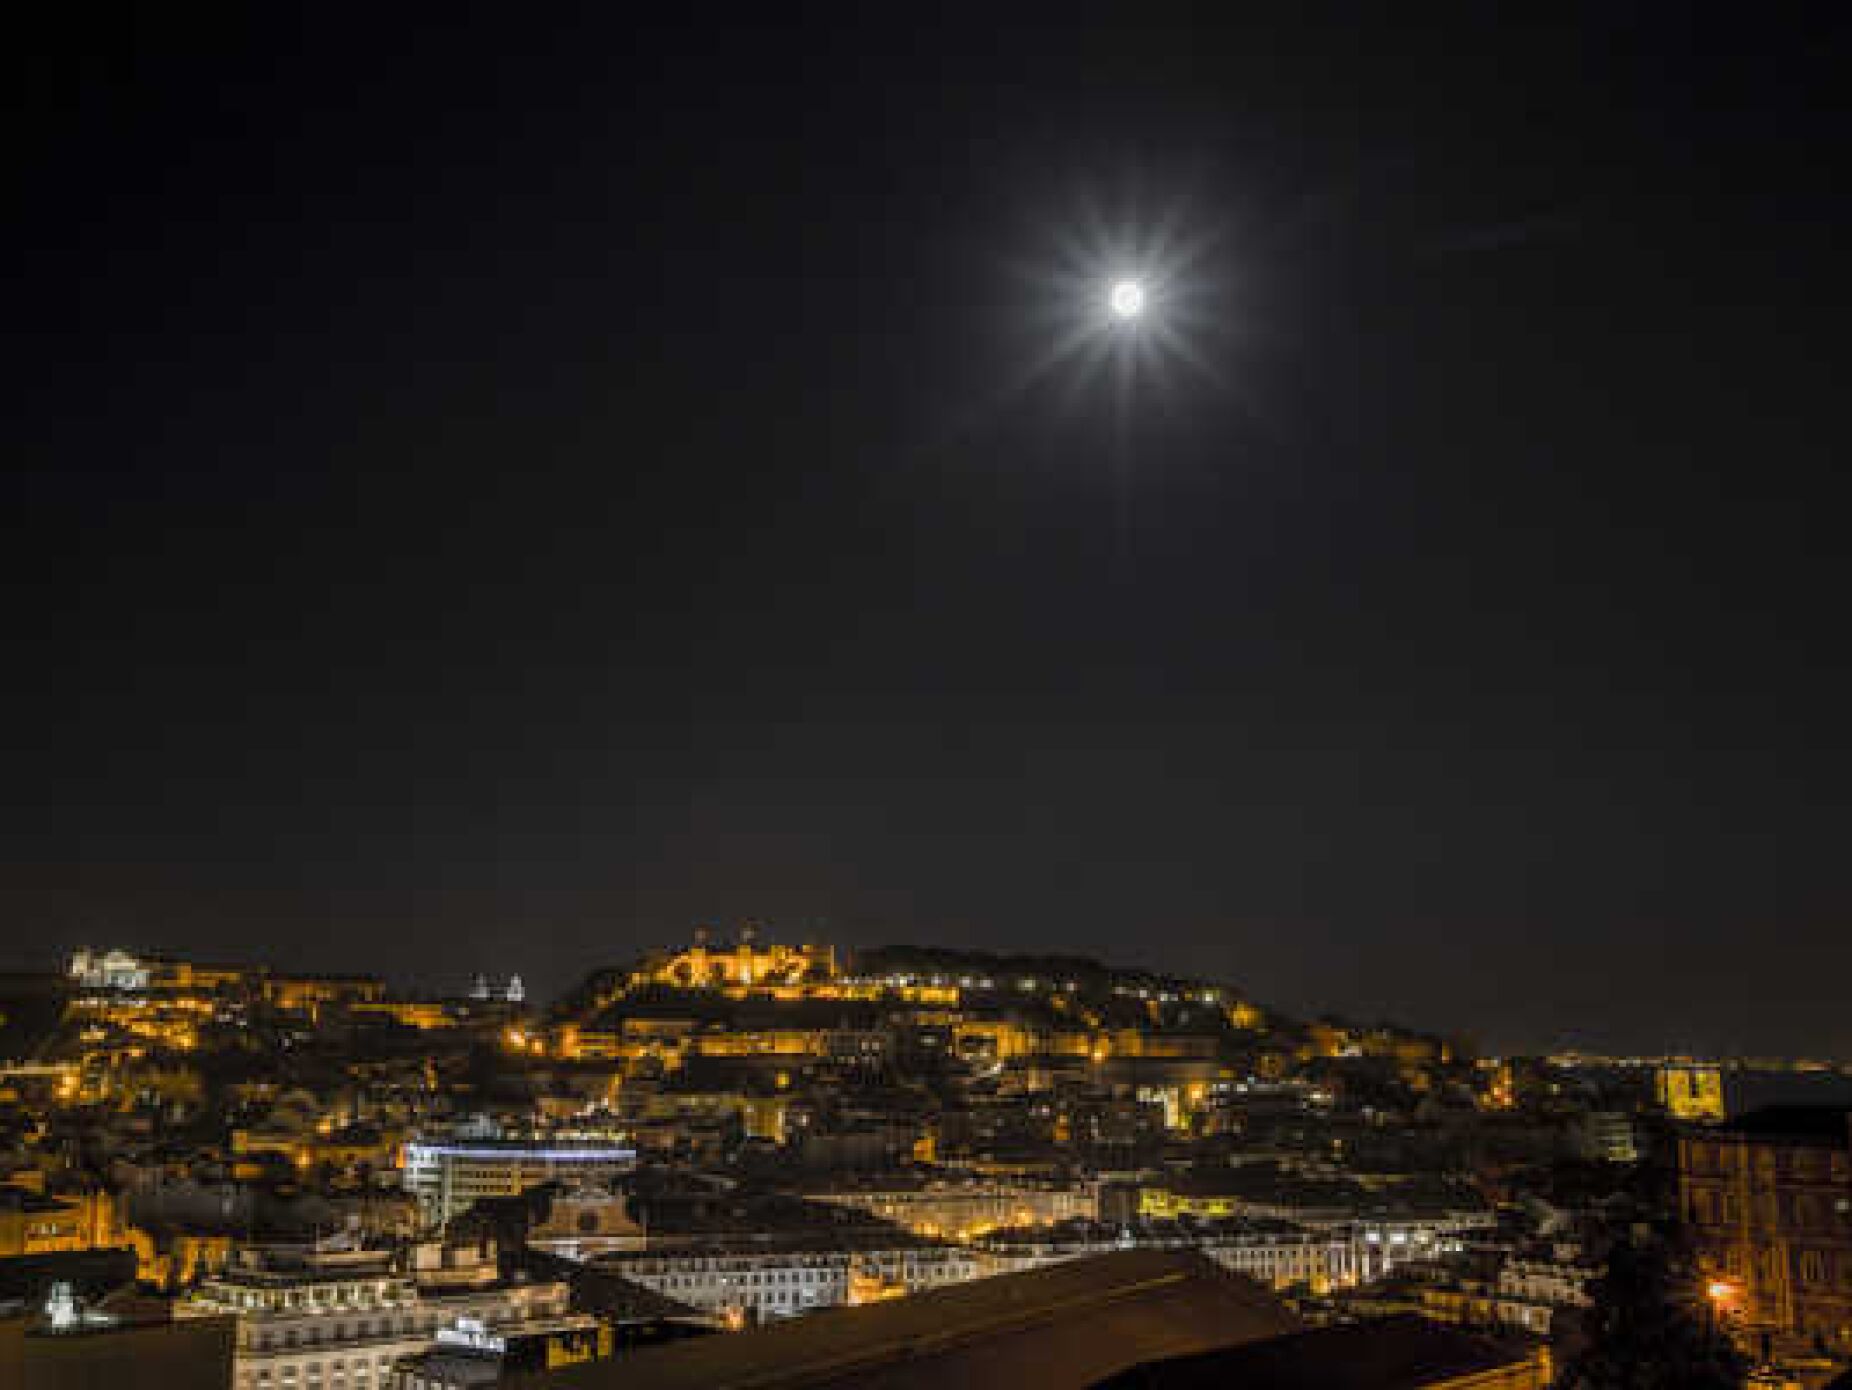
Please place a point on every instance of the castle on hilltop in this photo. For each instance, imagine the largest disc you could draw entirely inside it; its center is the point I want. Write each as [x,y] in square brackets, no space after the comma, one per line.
[747,964]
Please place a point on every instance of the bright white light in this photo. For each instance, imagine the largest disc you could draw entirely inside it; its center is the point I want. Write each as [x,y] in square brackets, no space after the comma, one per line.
[1127,299]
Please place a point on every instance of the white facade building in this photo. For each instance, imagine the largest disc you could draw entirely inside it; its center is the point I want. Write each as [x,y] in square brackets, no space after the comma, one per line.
[961,1209]
[340,1322]
[109,970]
[1531,1293]
[1273,1254]
[448,1178]
[767,1282]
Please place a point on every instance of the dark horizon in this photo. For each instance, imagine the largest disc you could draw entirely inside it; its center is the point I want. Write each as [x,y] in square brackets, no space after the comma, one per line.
[493,497]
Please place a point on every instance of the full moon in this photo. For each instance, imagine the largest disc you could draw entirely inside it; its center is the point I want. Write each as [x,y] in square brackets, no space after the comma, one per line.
[1127,299]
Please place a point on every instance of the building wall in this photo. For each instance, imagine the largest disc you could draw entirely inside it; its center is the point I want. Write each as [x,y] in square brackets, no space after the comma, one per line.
[340,1334]
[770,1284]
[1163,1204]
[1690,1091]
[36,1225]
[964,1211]
[1277,1260]
[447,1180]
[744,965]
[1771,1224]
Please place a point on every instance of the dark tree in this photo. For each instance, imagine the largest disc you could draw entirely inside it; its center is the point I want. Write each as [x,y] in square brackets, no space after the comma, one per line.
[1639,1335]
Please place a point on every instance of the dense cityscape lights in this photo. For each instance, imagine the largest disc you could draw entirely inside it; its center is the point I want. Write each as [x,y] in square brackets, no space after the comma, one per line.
[851,698]
[746,1132]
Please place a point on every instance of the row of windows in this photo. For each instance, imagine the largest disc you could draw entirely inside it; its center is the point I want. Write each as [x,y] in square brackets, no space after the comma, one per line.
[1811,1268]
[886,1264]
[949,1272]
[809,1276]
[769,1278]
[315,1296]
[337,1371]
[1792,1211]
[1802,1165]
[316,1333]
[50,1230]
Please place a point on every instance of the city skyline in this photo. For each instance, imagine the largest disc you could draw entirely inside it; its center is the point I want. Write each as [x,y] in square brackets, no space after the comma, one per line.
[503,500]
[952,965]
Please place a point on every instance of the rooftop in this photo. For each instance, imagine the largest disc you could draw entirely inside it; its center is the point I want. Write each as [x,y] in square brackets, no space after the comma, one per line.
[1069,1325]
[1397,1353]
[1814,1123]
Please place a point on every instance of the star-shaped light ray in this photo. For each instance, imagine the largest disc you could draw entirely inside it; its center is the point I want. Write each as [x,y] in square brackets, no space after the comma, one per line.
[1124,316]
[1135,301]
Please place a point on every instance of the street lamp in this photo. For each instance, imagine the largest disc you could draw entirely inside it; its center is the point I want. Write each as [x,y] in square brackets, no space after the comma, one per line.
[1719,1297]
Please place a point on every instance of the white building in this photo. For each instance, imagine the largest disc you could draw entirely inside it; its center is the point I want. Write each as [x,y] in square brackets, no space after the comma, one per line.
[961,1209]
[765,1281]
[109,970]
[1608,1136]
[448,1178]
[1272,1253]
[320,1320]
[1531,1292]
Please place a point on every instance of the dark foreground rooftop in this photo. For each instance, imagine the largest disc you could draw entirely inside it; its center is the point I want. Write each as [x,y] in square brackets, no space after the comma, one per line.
[1070,1325]
[1399,1353]
[1830,1124]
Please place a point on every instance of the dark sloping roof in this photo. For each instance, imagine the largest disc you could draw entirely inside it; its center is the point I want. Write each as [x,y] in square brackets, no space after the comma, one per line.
[604,1291]
[1808,1122]
[1060,1328]
[1399,1353]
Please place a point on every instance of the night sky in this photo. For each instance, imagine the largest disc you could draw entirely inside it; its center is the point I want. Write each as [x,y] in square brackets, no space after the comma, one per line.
[491,490]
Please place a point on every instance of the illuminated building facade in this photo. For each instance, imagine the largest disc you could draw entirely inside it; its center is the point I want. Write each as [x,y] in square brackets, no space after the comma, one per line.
[1690,1091]
[962,1210]
[1767,1201]
[32,1223]
[122,970]
[109,970]
[1608,1136]
[341,1320]
[746,965]
[1275,1254]
[422,1014]
[763,1280]
[310,994]
[586,1221]
[448,1178]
